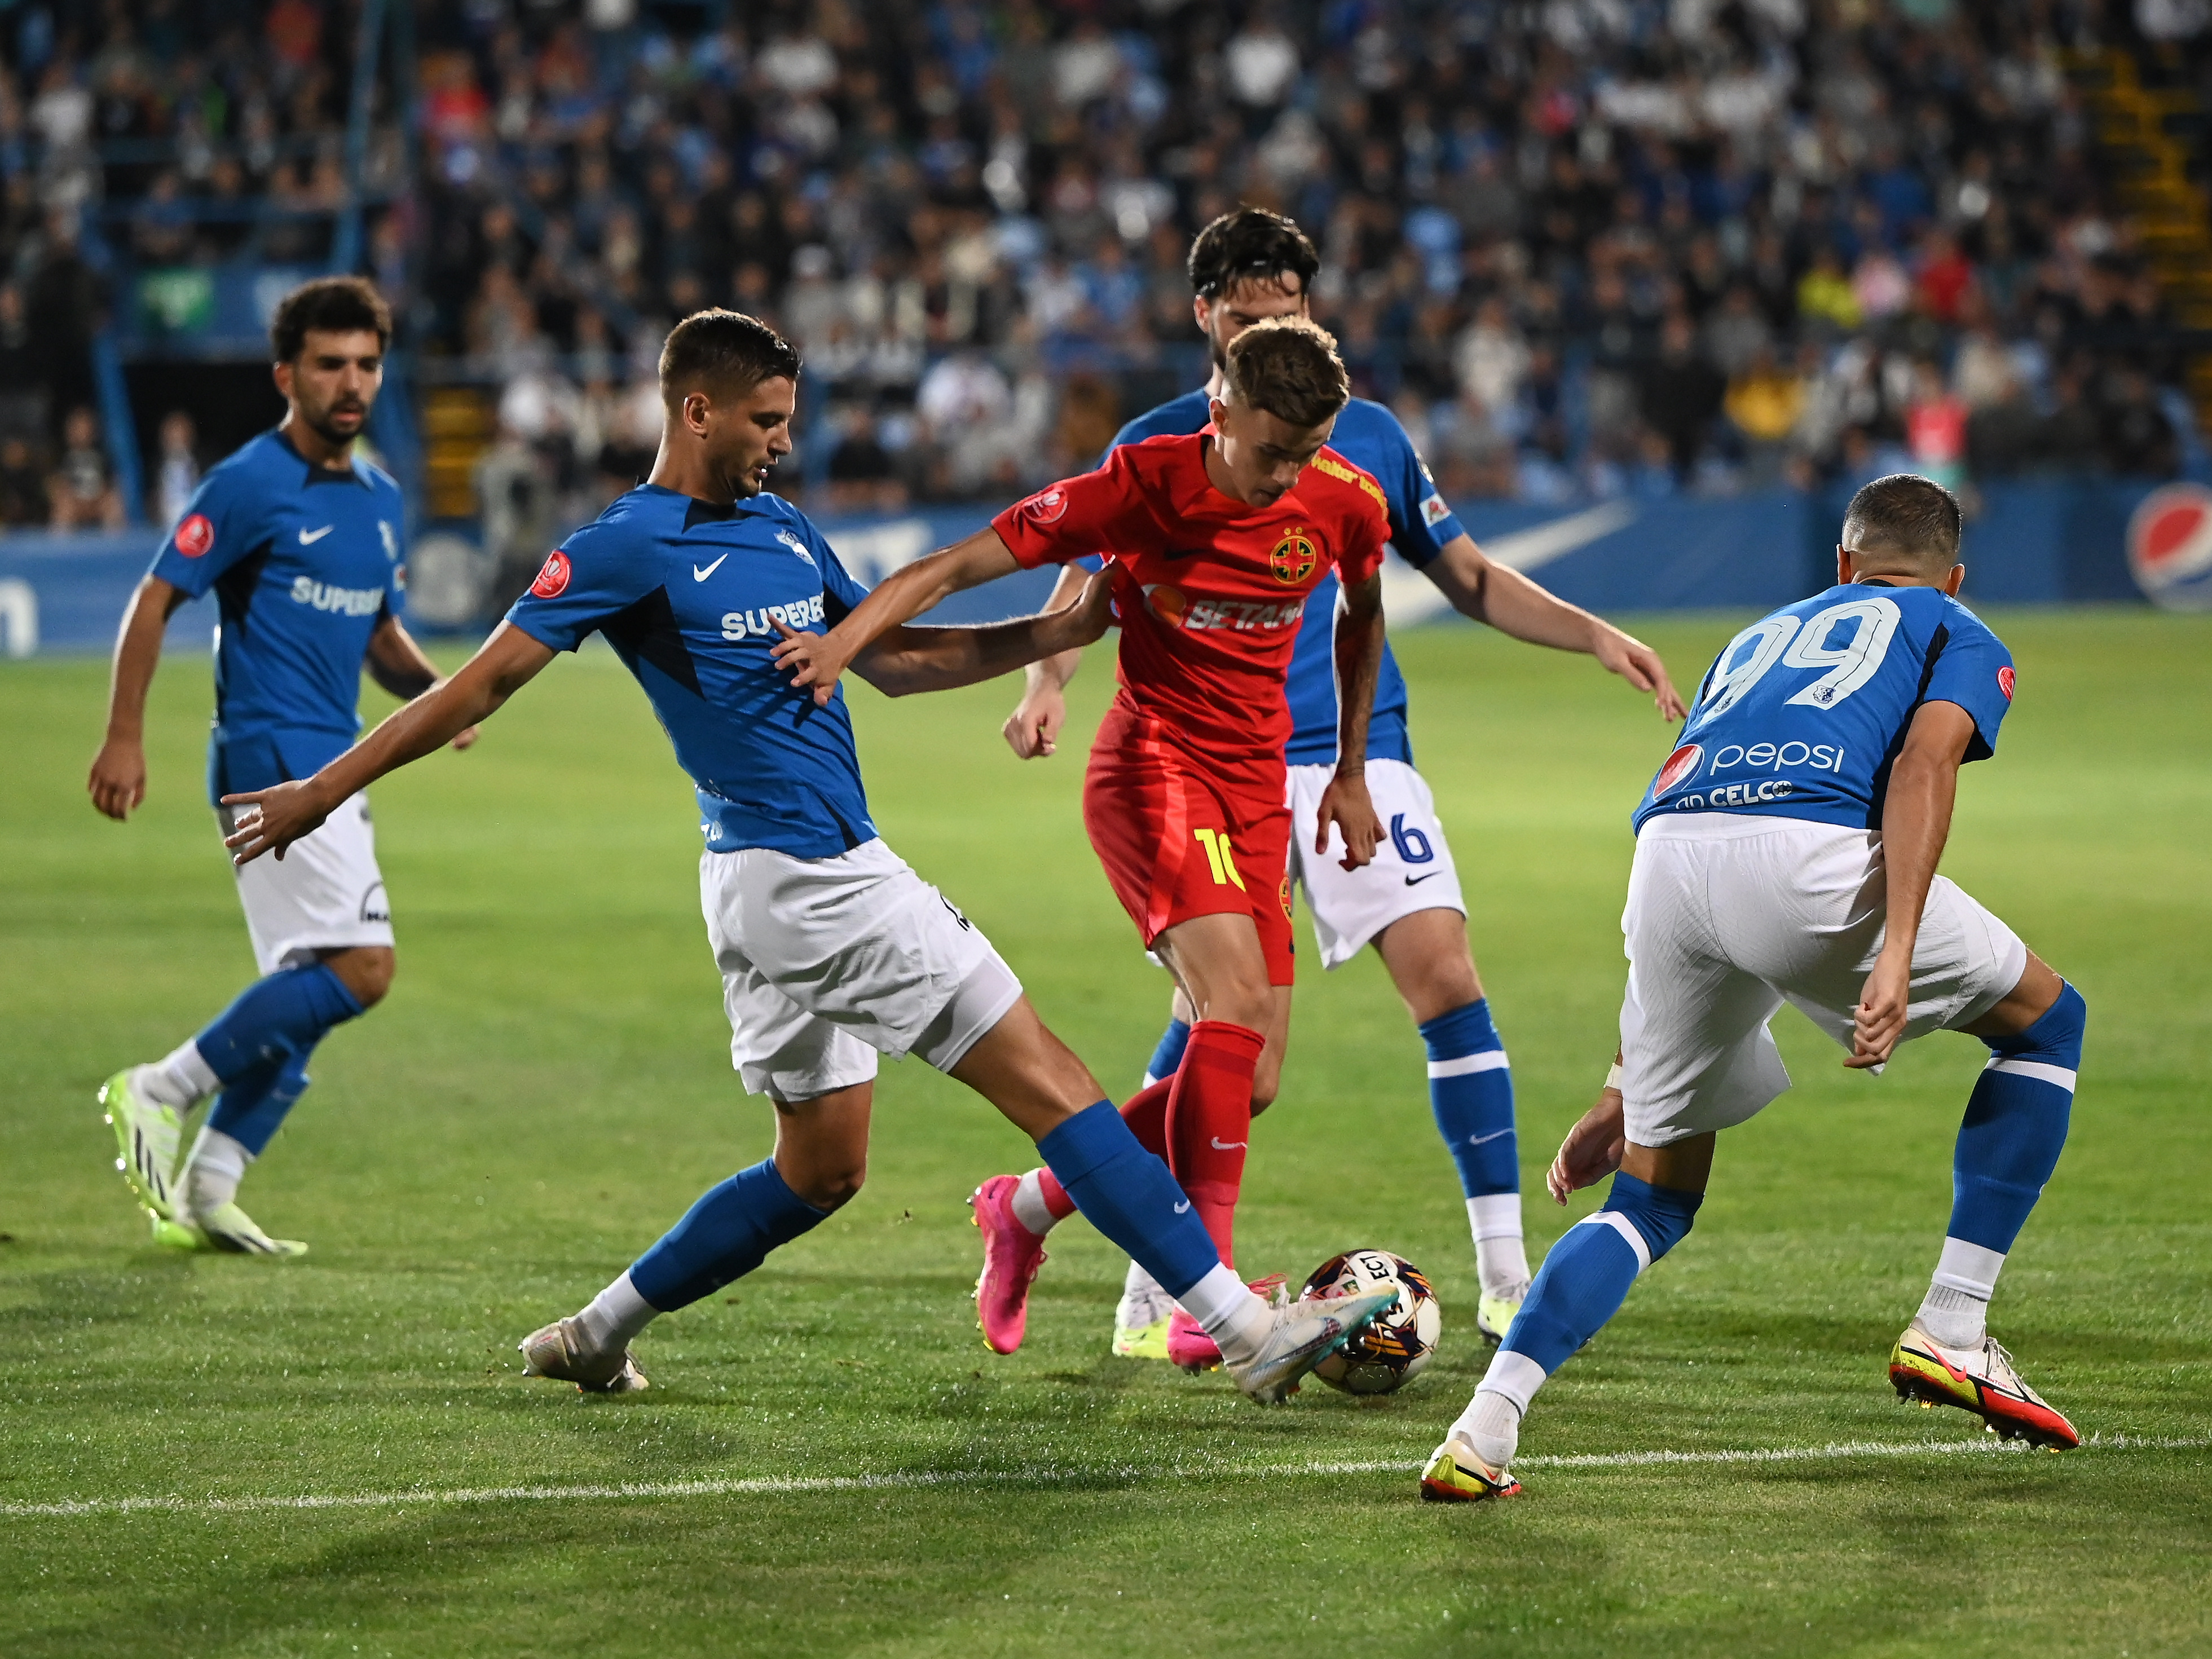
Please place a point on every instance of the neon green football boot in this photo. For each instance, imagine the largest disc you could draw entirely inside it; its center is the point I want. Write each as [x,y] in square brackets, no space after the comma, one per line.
[1144,1341]
[147,1136]
[1494,1314]
[226,1229]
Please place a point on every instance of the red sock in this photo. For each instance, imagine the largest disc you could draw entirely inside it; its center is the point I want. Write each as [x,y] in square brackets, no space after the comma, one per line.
[1146,1115]
[1209,1122]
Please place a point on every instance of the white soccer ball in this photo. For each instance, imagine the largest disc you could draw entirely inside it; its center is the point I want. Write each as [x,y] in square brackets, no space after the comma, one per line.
[1390,1352]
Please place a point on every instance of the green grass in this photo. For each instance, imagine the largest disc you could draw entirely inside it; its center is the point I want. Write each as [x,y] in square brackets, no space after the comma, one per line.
[548,1086]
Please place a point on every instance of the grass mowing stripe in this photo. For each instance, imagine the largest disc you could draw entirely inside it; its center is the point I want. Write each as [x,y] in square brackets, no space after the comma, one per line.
[760,1486]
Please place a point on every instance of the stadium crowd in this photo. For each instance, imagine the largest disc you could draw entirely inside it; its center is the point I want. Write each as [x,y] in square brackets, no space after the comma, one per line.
[1584,247]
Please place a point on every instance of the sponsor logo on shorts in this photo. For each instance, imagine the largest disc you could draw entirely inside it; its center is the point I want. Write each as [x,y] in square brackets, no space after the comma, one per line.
[1680,766]
[1433,510]
[1197,612]
[1740,794]
[553,580]
[1047,506]
[346,601]
[1415,881]
[2005,681]
[1293,559]
[374,907]
[1283,897]
[953,910]
[195,536]
[757,624]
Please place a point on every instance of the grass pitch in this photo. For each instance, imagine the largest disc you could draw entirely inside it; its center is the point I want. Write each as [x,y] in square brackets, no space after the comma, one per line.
[831,1463]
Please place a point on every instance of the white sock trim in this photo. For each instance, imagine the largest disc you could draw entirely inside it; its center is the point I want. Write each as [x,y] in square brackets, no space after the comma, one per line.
[1621,1224]
[613,1318]
[1490,1060]
[1237,1321]
[1513,1375]
[2035,1069]
[1971,1269]
[1029,1206]
[213,1171]
[1494,1215]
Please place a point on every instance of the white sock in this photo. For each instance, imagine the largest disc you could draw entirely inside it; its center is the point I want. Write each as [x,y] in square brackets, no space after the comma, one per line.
[213,1171]
[1237,1321]
[1029,1206]
[1492,1422]
[616,1316]
[1500,1259]
[177,1081]
[1955,1311]
[1143,1299]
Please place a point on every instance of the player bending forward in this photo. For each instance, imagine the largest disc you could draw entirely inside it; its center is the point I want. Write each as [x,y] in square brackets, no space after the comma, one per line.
[299,540]
[1787,850]
[1246,266]
[832,951]
[1217,541]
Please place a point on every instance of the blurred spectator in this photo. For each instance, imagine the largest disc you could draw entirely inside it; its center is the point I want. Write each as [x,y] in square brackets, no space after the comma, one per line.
[23,484]
[1681,394]
[863,474]
[178,472]
[82,495]
[1936,428]
[1765,401]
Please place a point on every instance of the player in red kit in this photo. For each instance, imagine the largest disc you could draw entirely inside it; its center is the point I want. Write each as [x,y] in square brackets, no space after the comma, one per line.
[1215,539]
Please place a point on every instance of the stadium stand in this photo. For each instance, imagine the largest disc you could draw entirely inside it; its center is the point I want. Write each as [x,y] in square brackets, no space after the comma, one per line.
[1586,249]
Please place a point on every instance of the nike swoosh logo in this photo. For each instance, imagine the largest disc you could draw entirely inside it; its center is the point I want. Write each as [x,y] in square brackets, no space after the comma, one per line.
[699,575]
[1495,1134]
[1221,1145]
[1183,1208]
[309,537]
[1415,881]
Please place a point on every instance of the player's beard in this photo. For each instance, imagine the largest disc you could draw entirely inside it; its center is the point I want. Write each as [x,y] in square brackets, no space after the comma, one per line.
[324,424]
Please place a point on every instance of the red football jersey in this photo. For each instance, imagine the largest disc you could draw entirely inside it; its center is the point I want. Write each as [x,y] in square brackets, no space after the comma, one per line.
[1210,591]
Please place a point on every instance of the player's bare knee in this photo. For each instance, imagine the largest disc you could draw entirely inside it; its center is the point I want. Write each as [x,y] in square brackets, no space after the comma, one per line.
[834,1187]
[366,971]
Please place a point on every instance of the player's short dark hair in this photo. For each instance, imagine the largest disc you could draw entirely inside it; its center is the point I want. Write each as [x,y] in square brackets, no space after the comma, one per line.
[723,352]
[1907,514]
[333,305]
[1250,245]
[1288,365]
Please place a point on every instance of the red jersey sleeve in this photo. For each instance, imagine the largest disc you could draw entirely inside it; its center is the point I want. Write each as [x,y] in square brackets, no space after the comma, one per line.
[1077,517]
[1367,536]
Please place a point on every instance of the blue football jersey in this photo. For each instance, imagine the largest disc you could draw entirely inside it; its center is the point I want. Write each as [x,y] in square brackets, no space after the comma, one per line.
[305,564]
[688,595]
[1803,713]
[1369,436]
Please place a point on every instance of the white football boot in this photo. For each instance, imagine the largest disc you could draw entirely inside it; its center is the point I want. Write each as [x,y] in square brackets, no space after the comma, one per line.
[1304,1332]
[558,1350]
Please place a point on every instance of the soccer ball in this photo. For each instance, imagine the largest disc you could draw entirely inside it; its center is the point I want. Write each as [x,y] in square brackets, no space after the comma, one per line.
[1390,1352]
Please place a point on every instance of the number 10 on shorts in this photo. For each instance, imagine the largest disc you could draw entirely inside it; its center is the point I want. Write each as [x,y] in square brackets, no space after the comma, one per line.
[1219,855]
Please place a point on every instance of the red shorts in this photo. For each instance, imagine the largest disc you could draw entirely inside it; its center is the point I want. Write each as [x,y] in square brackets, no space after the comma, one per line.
[1176,843]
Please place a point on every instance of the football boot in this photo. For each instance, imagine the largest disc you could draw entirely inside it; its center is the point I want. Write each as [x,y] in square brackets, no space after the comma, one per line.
[558,1352]
[1304,1332]
[147,1136]
[1012,1255]
[1980,1380]
[1493,1315]
[226,1229]
[1456,1475]
[1189,1347]
[1148,1341]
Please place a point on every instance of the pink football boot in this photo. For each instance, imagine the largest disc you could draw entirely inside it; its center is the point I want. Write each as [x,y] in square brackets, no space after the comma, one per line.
[1012,1255]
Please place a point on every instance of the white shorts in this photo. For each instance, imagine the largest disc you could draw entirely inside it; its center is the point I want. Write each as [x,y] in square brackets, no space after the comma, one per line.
[1728,916]
[827,962]
[1412,868]
[324,894]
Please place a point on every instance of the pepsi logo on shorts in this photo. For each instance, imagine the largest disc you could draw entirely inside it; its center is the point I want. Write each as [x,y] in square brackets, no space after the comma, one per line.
[1680,766]
[553,580]
[2170,547]
[195,536]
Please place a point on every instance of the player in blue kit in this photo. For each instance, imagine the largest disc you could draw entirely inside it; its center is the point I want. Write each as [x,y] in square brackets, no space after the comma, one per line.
[1787,851]
[299,540]
[1245,266]
[832,951]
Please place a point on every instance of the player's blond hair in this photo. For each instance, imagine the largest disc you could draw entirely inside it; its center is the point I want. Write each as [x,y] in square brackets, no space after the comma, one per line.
[1288,365]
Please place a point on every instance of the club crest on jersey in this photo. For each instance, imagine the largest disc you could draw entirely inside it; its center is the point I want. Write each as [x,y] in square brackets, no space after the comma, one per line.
[2005,681]
[794,545]
[195,536]
[390,540]
[1293,559]
[1680,766]
[552,580]
[1047,506]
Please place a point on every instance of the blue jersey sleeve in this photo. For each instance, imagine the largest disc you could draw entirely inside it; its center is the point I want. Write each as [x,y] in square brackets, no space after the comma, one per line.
[585,583]
[1420,523]
[1974,670]
[839,593]
[221,525]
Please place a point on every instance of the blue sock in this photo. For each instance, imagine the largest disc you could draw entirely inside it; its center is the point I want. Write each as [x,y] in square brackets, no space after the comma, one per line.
[252,1105]
[725,1236]
[283,1014]
[1471,1091]
[1167,1055]
[1128,1195]
[1586,1274]
[2016,1126]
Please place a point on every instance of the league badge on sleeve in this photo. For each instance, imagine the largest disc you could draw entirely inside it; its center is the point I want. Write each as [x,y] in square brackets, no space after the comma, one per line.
[195,536]
[552,580]
[1047,506]
[2005,681]
[1433,511]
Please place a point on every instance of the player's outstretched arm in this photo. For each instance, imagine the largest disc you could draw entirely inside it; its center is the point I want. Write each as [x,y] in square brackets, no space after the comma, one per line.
[1510,602]
[1916,822]
[1346,804]
[117,781]
[272,820]
[908,660]
[1033,729]
[816,659]
[397,663]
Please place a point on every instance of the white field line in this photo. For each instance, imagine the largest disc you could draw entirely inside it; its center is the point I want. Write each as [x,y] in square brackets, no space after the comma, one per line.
[778,1486]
